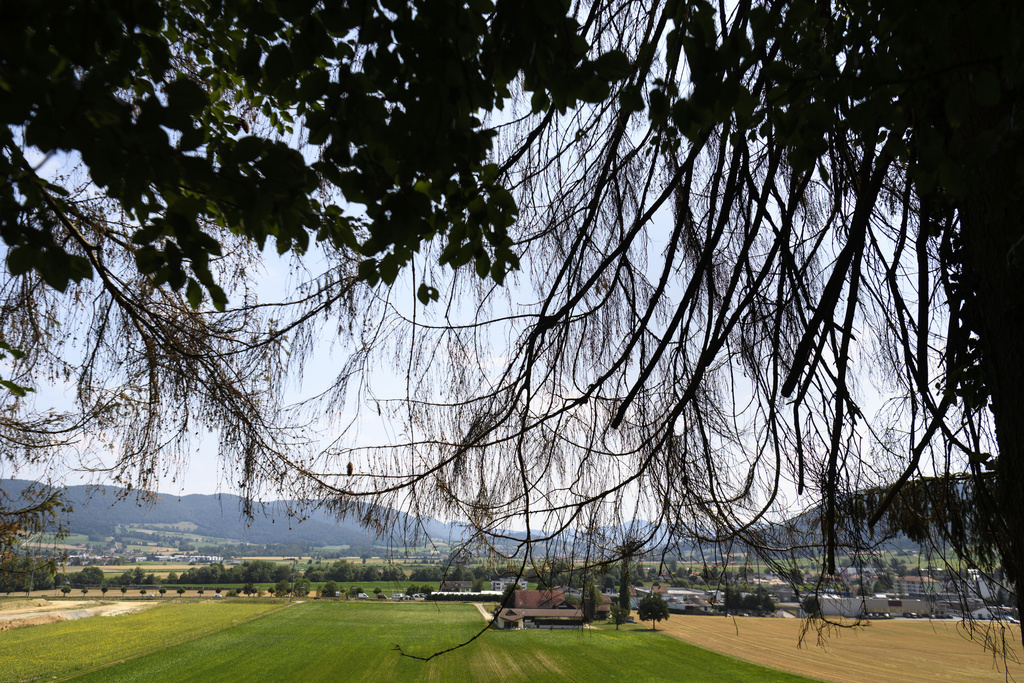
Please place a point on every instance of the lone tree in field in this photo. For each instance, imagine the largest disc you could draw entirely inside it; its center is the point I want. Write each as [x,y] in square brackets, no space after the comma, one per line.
[619,615]
[652,608]
[711,263]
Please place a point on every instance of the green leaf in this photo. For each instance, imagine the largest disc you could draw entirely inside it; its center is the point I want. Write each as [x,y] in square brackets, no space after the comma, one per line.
[483,265]
[217,296]
[539,102]
[388,269]
[193,293]
[79,268]
[613,66]
[426,294]
[368,271]
[185,97]
[53,273]
[148,259]
[20,260]
[15,352]
[630,100]
[15,389]
[248,148]
[278,66]
[147,234]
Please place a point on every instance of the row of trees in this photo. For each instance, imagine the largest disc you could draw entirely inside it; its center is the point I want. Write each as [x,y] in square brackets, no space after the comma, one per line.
[758,600]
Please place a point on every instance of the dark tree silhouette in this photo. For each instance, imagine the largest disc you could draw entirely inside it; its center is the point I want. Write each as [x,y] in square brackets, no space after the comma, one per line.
[728,261]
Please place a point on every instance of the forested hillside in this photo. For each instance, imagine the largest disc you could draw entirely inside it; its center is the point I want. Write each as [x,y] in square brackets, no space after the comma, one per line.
[97,511]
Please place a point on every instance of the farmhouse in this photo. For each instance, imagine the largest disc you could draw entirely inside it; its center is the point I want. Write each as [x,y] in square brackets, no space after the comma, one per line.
[456,587]
[539,609]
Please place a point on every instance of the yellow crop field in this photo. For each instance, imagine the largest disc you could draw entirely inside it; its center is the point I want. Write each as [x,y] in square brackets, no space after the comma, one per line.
[65,648]
[892,650]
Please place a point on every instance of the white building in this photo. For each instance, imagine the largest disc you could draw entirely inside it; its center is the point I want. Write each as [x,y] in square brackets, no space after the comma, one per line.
[501,584]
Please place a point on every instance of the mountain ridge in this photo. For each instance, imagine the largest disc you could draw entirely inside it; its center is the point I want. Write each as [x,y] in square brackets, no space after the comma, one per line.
[211,514]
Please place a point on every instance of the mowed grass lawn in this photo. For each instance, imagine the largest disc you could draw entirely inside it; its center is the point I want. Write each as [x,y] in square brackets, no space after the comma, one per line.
[320,641]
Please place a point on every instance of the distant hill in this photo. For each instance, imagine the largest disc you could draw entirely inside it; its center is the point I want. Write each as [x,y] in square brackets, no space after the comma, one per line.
[98,510]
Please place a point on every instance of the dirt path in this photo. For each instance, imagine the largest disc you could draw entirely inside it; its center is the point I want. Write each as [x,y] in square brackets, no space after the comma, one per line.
[898,650]
[486,615]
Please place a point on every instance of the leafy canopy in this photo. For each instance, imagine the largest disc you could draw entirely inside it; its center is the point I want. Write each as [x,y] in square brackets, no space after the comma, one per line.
[653,608]
[164,104]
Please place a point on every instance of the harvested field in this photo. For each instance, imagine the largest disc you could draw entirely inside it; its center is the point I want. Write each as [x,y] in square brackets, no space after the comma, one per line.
[899,649]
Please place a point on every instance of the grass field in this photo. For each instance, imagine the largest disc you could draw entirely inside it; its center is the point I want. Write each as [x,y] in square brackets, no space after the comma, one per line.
[322,641]
[316,641]
[892,650]
[62,649]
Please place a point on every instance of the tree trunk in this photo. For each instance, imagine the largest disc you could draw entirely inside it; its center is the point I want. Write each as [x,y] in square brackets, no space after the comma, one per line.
[991,226]
[991,218]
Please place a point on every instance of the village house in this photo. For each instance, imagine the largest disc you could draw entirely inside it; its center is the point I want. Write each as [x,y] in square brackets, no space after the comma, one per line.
[539,609]
[456,587]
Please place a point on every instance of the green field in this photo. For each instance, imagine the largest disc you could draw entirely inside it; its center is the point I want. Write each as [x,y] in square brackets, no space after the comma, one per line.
[62,649]
[316,641]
